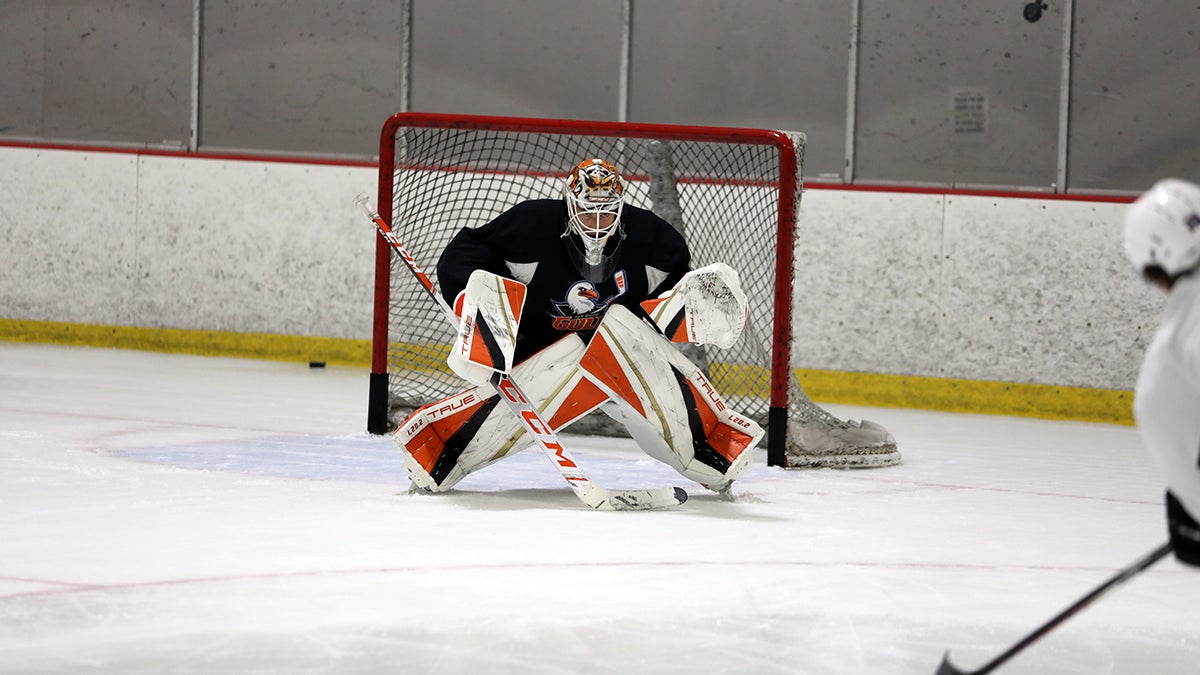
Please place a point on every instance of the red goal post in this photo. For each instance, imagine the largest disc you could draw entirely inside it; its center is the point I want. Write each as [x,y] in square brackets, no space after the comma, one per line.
[734,193]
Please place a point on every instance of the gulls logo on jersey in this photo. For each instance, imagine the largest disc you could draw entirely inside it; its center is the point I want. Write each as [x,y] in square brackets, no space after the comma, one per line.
[582,308]
[581,299]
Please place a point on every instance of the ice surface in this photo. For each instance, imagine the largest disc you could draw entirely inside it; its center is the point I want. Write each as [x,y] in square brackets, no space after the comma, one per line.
[165,513]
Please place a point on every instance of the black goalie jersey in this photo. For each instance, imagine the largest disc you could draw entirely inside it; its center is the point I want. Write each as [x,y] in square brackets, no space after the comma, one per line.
[526,243]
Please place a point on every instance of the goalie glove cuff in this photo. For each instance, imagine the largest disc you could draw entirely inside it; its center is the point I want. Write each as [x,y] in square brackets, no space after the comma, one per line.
[1184,531]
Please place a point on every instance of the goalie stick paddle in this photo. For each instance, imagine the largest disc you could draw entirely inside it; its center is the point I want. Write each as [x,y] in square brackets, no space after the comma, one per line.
[595,496]
[947,668]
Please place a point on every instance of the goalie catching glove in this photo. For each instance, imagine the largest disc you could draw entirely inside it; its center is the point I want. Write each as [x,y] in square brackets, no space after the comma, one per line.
[706,307]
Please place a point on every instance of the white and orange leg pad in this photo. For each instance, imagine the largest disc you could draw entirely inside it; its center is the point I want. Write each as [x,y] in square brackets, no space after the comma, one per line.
[666,403]
[707,306]
[451,438]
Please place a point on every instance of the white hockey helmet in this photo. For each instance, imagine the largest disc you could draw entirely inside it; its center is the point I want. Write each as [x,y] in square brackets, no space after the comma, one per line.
[592,190]
[1162,228]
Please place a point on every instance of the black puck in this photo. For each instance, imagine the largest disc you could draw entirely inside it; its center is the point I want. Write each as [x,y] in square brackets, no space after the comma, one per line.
[316,364]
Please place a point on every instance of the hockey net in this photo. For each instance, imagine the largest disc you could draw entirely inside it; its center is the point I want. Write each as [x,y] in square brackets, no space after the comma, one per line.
[733,193]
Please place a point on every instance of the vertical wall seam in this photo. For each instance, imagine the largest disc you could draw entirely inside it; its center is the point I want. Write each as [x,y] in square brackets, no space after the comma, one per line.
[625,56]
[41,121]
[136,290]
[852,90]
[1064,96]
[941,318]
[194,118]
[406,35]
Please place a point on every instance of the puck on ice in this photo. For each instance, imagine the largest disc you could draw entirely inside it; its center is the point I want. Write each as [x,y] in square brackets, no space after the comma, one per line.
[316,364]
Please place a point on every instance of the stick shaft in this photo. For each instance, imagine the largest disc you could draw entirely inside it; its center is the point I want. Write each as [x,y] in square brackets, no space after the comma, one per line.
[1120,577]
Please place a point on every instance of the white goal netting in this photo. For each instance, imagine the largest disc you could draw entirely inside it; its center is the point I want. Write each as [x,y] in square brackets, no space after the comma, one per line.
[733,193]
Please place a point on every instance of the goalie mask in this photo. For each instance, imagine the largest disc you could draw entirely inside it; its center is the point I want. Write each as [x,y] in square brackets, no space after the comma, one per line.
[595,195]
[1162,228]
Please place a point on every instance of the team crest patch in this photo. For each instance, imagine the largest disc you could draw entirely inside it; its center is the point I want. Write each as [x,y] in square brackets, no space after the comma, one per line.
[582,308]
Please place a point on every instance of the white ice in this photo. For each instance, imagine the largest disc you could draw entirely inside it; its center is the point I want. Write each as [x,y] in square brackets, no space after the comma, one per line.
[176,514]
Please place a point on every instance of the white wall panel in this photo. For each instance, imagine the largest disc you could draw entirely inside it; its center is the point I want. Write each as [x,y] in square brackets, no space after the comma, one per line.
[255,247]
[70,236]
[867,296]
[981,288]
[1041,288]
[1027,290]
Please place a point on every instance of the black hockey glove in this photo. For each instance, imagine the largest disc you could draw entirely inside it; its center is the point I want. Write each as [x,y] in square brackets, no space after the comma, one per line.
[1185,533]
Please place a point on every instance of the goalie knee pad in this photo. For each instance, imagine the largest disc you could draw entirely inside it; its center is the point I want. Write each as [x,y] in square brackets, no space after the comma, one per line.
[669,406]
[445,441]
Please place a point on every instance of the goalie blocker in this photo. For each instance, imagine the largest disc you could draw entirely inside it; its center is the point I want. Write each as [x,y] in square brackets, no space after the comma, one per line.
[628,369]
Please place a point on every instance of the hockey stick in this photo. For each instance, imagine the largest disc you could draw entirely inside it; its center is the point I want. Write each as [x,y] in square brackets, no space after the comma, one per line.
[946,668]
[595,496]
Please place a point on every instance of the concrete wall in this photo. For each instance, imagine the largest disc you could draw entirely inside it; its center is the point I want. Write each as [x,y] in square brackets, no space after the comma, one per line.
[1010,289]
[1094,96]
[1013,289]
[178,242]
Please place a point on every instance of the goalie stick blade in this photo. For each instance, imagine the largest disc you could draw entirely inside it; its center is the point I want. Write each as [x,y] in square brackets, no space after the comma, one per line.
[947,668]
[604,499]
[591,494]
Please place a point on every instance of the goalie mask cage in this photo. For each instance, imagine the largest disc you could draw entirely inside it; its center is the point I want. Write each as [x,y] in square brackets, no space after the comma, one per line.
[734,194]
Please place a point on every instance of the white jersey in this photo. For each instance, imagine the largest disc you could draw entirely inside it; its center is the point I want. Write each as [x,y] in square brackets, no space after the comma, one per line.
[1167,400]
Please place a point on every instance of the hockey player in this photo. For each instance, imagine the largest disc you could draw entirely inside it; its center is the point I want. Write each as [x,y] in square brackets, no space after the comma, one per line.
[1162,240]
[587,292]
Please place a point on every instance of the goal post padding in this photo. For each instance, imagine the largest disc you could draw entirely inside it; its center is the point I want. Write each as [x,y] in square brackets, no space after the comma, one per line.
[733,193]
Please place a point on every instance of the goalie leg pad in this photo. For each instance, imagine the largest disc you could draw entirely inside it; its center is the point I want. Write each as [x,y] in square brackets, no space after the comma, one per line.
[445,441]
[436,437]
[670,409]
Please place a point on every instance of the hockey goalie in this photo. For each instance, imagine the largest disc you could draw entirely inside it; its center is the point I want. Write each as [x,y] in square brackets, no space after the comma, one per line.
[585,295]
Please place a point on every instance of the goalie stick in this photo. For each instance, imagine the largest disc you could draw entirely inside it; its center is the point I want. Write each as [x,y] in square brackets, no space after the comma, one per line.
[595,496]
[947,668]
